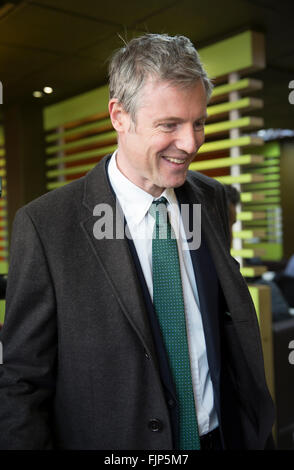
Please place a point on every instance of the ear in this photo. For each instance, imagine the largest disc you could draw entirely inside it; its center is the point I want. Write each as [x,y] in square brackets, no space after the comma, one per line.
[119,118]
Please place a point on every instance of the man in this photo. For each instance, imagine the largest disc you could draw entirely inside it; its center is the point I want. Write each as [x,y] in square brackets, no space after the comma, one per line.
[87,363]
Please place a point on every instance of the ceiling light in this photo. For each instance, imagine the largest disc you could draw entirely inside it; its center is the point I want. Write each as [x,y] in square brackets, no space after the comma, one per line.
[48,90]
[37,94]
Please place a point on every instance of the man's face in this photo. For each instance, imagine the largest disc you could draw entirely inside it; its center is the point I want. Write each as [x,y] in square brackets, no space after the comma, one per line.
[155,153]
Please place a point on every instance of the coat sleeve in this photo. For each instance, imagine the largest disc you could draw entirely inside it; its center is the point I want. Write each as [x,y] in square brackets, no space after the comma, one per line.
[29,343]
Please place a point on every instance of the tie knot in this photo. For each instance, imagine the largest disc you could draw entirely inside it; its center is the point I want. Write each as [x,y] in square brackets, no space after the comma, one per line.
[161,200]
[158,210]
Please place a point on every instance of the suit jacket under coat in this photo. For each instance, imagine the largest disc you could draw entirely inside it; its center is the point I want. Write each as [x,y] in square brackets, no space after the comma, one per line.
[80,367]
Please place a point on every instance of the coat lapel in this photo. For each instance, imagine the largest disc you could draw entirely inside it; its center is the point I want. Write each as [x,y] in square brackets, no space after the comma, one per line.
[226,267]
[207,281]
[113,255]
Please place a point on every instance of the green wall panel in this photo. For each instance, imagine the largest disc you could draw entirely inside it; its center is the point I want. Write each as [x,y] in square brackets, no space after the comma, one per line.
[72,145]
[92,102]
[81,156]
[272,251]
[230,55]
[2,310]
[270,149]
[1,136]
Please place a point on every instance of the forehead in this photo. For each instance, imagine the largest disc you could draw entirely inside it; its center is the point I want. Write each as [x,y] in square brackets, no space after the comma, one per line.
[166,98]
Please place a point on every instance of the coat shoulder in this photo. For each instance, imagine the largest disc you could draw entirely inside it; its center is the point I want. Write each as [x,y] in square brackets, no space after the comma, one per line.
[198,179]
[55,210]
[65,195]
[70,199]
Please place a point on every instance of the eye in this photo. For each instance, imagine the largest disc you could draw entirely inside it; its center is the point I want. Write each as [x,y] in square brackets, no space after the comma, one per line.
[169,126]
[199,125]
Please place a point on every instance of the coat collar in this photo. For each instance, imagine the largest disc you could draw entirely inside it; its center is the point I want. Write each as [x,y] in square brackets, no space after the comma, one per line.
[97,189]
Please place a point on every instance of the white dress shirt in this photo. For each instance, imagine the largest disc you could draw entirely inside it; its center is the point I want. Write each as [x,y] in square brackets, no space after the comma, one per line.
[135,203]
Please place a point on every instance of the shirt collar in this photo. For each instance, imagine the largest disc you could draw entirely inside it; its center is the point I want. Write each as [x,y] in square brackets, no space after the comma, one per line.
[134,201]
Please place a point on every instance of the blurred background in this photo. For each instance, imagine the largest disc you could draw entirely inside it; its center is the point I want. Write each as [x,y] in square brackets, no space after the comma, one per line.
[54,127]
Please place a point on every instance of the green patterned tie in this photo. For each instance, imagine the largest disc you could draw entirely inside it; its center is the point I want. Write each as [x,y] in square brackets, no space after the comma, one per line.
[169,305]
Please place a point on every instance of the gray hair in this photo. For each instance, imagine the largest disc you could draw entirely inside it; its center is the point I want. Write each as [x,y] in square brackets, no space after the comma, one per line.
[162,57]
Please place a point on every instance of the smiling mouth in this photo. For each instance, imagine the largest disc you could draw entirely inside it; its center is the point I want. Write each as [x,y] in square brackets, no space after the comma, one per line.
[178,161]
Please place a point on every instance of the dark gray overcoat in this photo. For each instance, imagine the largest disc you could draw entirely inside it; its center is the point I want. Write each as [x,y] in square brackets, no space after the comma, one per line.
[80,367]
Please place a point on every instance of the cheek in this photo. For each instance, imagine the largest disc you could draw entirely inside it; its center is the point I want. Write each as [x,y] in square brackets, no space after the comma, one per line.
[200,138]
[161,142]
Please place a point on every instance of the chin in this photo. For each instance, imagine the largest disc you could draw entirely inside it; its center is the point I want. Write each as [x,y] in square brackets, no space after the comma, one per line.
[177,182]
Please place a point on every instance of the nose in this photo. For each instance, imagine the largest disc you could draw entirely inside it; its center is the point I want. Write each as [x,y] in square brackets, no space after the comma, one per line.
[189,140]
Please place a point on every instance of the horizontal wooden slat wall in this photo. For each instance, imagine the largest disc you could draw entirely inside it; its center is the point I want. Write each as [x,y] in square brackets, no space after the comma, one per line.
[234,155]
[271,241]
[230,154]
[76,147]
[78,133]
[3,210]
